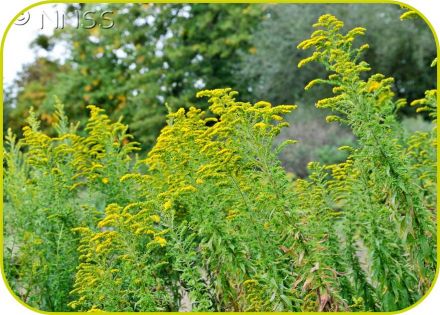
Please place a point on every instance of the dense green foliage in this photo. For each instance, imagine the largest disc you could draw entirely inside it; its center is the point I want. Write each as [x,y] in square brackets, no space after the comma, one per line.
[211,221]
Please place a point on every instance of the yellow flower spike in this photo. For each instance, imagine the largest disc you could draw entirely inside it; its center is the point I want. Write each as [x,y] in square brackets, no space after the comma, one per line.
[73,304]
[160,240]
[307,60]
[74,186]
[356,31]
[373,86]
[364,47]
[155,218]
[262,104]
[167,205]
[97,236]
[94,309]
[282,125]
[345,148]
[285,109]
[332,118]
[277,117]
[100,248]
[105,180]
[313,83]
[260,125]
[188,188]
[139,230]
[409,15]
[337,89]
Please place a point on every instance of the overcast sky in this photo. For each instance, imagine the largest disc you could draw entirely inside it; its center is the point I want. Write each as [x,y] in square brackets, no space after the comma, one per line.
[17,51]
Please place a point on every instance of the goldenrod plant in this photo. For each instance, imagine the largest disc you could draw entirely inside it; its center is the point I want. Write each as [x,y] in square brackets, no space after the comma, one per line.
[394,220]
[200,226]
[52,185]
[422,147]
[209,220]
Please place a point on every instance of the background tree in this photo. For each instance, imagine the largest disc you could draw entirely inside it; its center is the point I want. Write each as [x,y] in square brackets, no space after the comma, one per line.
[154,54]
[31,89]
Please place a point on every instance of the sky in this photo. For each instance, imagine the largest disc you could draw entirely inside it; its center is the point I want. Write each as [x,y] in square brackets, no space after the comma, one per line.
[17,51]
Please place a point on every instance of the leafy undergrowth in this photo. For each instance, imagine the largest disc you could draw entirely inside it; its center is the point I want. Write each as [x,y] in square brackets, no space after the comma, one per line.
[210,221]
